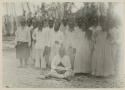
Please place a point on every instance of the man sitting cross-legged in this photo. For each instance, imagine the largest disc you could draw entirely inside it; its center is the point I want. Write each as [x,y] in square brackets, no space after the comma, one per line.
[61,66]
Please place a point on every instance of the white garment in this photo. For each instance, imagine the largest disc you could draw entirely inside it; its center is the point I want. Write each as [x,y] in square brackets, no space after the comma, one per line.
[40,39]
[64,60]
[71,39]
[39,60]
[48,35]
[58,38]
[23,35]
[30,28]
[63,28]
[82,58]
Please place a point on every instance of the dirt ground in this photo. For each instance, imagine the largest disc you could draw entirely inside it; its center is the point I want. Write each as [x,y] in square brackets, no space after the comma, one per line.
[14,77]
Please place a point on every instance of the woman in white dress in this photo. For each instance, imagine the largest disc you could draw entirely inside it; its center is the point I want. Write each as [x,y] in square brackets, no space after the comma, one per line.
[102,60]
[82,59]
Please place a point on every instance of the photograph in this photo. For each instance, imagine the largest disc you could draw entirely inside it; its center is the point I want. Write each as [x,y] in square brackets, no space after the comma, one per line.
[62,44]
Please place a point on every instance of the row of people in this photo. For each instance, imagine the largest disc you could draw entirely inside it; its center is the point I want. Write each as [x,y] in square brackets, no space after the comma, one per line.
[86,55]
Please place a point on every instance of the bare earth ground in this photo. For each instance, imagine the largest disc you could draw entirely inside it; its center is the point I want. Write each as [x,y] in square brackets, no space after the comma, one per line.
[14,77]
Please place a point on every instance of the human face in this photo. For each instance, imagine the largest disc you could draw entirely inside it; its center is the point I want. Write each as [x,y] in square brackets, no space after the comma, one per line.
[57,26]
[45,24]
[51,24]
[40,27]
[71,26]
[65,22]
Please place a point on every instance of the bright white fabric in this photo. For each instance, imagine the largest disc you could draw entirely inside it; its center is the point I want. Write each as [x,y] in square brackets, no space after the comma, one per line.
[39,37]
[64,60]
[23,35]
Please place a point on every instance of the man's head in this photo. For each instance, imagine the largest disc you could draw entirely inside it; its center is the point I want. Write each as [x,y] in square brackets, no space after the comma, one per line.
[62,51]
[45,23]
[51,22]
[64,21]
[40,25]
[57,25]
[29,22]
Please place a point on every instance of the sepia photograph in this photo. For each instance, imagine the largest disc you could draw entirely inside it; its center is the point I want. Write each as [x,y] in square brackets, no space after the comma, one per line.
[62,44]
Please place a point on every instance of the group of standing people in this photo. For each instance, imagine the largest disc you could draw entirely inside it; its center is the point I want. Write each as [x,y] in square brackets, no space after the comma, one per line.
[86,51]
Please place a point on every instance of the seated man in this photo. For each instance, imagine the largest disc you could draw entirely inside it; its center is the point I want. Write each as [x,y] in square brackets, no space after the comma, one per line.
[61,66]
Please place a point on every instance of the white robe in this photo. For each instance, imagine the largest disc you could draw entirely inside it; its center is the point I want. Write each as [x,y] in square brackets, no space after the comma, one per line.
[58,38]
[71,44]
[55,66]
[82,61]
[48,35]
[39,46]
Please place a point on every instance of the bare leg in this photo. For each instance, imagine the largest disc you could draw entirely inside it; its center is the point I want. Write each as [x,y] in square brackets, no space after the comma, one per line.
[46,57]
[43,62]
[37,59]
[21,62]
[26,62]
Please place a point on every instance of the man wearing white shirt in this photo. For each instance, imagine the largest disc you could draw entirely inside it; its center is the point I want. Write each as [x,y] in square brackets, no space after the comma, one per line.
[38,35]
[61,65]
[48,33]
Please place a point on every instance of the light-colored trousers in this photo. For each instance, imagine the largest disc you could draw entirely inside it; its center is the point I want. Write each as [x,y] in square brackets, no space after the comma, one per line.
[39,60]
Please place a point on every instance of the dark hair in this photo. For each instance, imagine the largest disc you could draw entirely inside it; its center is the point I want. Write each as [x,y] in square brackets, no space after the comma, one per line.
[57,26]
[51,23]
[23,23]
[29,22]
[64,22]
[88,34]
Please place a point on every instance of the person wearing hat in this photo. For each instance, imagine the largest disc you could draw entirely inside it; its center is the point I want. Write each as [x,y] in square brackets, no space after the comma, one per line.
[22,43]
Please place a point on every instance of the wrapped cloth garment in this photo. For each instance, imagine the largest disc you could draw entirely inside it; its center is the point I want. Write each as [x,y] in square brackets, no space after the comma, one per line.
[22,43]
